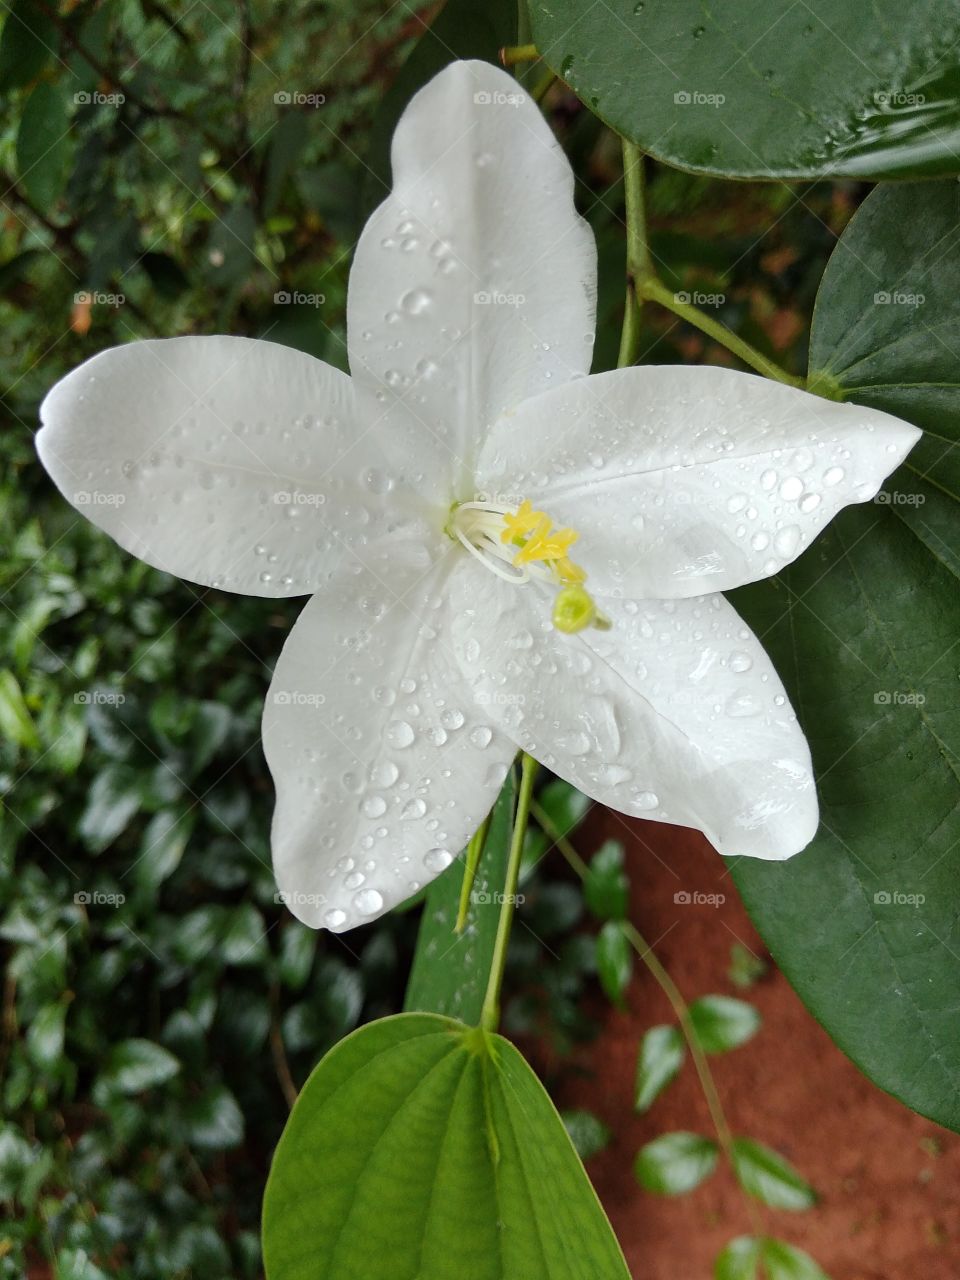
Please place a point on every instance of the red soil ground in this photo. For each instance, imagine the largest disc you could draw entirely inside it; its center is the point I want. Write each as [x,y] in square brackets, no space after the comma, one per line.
[888,1180]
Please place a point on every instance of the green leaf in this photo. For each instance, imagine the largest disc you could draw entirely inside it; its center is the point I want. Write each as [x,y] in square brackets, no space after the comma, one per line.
[298,946]
[45,1036]
[661,1056]
[449,973]
[164,841]
[588,1133]
[215,1121]
[135,1065]
[15,720]
[767,88]
[27,43]
[863,630]
[418,1147]
[113,800]
[245,937]
[748,1258]
[722,1023]
[606,888]
[614,962]
[738,1260]
[43,144]
[768,1177]
[675,1163]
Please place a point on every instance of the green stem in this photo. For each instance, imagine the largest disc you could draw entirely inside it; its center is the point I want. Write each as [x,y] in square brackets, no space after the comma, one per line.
[474,854]
[490,1013]
[639,267]
[655,291]
[677,1003]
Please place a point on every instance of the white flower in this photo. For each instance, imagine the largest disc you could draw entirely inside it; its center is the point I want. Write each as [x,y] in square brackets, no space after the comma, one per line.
[428,653]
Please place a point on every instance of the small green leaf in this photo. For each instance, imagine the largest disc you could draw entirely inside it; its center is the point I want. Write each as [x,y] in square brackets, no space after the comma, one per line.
[215,1121]
[245,937]
[164,841]
[588,1133]
[606,888]
[614,962]
[45,1036]
[298,946]
[15,720]
[783,1262]
[675,1163]
[113,800]
[768,1177]
[135,1065]
[738,1260]
[722,1023]
[661,1056]
[421,1148]
[43,144]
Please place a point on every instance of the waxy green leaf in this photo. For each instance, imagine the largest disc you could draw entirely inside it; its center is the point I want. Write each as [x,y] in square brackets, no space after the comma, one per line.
[768,88]
[421,1148]
[722,1023]
[675,1163]
[661,1056]
[863,629]
[768,1177]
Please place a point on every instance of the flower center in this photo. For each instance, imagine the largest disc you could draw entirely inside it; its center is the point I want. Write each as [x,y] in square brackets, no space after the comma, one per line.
[518,543]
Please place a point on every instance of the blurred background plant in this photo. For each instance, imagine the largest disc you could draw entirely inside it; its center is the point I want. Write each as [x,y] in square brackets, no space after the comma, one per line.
[177,169]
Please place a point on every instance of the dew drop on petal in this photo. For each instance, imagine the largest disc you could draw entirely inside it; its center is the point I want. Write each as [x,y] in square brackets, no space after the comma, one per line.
[399,733]
[368,902]
[437,860]
[334,918]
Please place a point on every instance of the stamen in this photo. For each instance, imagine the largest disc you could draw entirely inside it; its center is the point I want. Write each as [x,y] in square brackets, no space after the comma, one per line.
[517,543]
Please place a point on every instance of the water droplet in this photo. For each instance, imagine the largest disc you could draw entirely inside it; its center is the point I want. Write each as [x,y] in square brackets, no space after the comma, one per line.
[437,860]
[368,902]
[416,302]
[645,800]
[787,540]
[414,808]
[740,661]
[809,502]
[334,918]
[384,773]
[833,476]
[399,733]
[374,806]
[481,736]
[354,880]
[737,503]
[791,488]
[768,479]
[760,541]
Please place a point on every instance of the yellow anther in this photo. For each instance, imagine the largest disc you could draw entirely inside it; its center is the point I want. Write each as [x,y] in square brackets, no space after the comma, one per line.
[573,610]
[546,544]
[517,524]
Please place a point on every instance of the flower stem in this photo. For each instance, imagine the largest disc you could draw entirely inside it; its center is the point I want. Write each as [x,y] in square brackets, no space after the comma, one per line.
[656,291]
[677,1003]
[490,1013]
[474,854]
[639,267]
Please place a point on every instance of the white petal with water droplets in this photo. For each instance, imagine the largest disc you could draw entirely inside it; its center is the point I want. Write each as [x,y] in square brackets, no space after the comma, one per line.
[384,765]
[232,462]
[473,283]
[676,713]
[681,480]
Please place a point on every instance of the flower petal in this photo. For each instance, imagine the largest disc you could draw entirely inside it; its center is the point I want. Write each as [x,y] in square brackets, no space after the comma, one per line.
[384,765]
[675,714]
[473,283]
[686,480]
[232,462]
